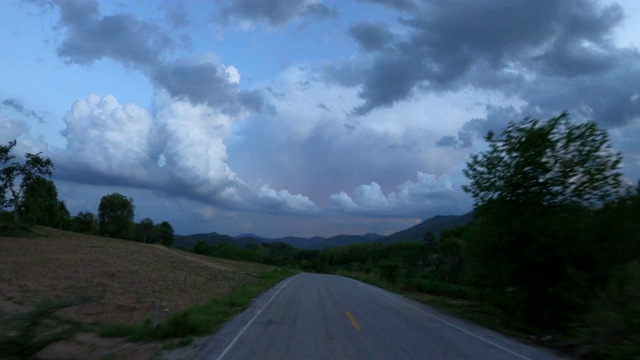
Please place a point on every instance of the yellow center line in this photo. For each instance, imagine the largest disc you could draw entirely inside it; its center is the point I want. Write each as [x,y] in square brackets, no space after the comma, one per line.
[353,320]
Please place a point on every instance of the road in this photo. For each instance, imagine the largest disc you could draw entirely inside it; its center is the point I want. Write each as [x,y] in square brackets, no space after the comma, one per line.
[315,316]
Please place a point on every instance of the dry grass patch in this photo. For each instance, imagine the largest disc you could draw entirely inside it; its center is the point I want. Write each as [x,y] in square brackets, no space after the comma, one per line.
[122,277]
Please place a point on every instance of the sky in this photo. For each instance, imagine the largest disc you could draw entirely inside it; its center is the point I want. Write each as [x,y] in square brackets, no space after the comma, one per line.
[302,117]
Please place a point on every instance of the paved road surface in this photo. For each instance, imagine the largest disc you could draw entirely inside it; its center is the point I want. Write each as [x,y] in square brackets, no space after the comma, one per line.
[314,316]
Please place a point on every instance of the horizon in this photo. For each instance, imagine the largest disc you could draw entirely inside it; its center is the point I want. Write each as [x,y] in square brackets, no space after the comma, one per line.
[302,118]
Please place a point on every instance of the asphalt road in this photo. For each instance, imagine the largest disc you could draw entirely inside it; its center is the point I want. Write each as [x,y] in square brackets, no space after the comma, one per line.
[314,316]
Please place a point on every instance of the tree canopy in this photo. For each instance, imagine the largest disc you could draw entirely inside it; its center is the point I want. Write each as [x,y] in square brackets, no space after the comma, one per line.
[16,176]
[535,188]
[115,216]
[553,162]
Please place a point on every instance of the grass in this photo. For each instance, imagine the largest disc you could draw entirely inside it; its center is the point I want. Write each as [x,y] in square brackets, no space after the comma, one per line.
[456,300]
[27,333]
[194,293]
[200,319]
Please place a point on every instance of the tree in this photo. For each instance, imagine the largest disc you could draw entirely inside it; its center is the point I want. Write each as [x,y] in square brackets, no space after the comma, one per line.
[15,176]
[555,162]
[164,233]
[40,202]
[63,216]
[115,216]
[535,189]
[145,231]
[85,222]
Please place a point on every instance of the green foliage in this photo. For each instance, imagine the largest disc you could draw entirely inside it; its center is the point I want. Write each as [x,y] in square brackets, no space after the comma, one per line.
[85,222]
[25,334]
[200,319]
[164,233]
[611,329]
[534,190]
[16,176]
[115,216]
[549,163]
[40,204]
[145,231]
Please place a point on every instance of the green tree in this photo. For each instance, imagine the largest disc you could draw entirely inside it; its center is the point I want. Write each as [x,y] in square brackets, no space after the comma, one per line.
[115,216]
[40,203]
[145,231]
[164,233]
[15,176]
[85,222]
[63,216]
[555,162]
[535,189]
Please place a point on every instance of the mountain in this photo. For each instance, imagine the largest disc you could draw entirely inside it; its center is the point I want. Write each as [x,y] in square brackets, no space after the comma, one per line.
[435,224]
[302,243]
[188,241]
[415,233]
[344,240]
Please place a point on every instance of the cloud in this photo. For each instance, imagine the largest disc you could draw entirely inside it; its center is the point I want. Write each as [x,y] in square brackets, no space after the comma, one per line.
[394,4]
[331,151]
[11,129]
[175,12]
[17,106]
[448,46]
[107,140]
[370,36]
[143,45]
[122,37]
[429,195]
[121,145]
[204,82]
[274,12]
[270,198]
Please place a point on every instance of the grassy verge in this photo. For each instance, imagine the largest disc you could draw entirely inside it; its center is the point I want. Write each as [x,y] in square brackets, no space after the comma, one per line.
[25,334]
[201,319]
[455,300]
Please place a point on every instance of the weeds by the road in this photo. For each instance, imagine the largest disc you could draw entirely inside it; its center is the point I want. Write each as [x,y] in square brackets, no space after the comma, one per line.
[454,299]
[25,334]
[200,319]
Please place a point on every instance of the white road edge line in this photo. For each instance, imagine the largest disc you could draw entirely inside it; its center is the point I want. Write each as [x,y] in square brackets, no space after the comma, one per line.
[226,350]
[445,322]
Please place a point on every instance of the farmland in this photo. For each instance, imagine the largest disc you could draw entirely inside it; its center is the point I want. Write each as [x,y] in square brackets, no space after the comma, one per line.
[108,281]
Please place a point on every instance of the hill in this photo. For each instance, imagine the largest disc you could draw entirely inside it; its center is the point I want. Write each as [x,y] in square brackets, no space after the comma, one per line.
[188,241]
[105,280]
[415,233]
[435,224]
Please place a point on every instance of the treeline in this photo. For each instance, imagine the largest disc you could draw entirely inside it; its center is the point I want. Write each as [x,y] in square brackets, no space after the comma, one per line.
[26,189]
[115,219]
[553,248]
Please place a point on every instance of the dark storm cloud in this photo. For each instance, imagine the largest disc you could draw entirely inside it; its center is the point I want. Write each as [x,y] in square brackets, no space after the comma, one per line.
[504,45]
[200,83]
[175,13]
[17,106]
[371,37]
[255,101]
[396,4]
[391,79]
[495,120]
[90,37]
[275,12]
[140,44]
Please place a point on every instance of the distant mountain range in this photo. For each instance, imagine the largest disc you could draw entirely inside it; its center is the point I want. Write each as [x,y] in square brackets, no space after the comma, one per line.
[415,233]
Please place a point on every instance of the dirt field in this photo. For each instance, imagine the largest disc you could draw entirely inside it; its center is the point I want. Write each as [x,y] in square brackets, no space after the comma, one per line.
[122,278]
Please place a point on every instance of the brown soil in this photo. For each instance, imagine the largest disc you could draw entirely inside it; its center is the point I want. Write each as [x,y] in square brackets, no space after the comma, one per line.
[122,278]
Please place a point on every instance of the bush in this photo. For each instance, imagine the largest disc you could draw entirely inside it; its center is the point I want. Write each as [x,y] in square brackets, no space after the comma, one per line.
[444,289]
